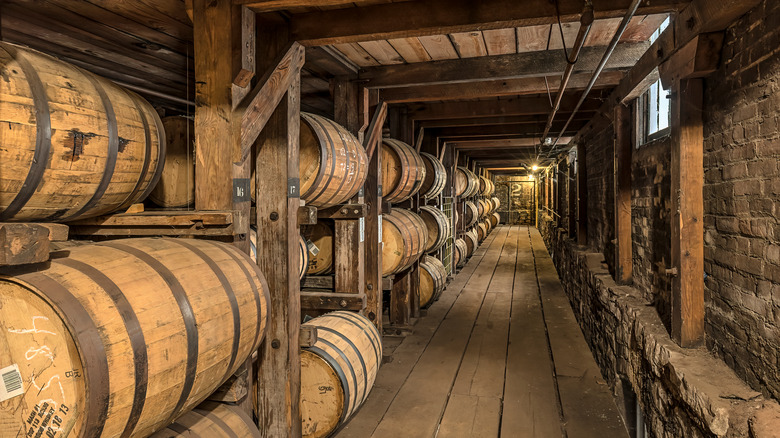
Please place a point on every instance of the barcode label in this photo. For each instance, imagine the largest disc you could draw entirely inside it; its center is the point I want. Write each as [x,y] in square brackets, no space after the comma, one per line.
[313,249]
[12,383]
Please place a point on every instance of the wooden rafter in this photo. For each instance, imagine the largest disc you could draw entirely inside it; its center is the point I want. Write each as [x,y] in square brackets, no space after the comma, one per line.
[494,88]
[438,17]
[485,68]
[524,106]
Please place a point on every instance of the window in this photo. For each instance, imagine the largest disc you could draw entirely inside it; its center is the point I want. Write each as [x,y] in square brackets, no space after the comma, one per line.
[655,113]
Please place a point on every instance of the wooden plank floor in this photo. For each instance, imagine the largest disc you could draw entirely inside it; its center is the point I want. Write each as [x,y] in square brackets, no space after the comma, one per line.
[499,355]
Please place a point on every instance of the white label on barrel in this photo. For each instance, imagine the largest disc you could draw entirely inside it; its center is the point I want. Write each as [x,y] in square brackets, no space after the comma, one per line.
[362,229]
[380,228]
[313,249]
[11,382]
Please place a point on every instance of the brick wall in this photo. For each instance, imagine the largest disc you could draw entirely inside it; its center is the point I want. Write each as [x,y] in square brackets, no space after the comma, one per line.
[742,200]
[651,186]
[600,152]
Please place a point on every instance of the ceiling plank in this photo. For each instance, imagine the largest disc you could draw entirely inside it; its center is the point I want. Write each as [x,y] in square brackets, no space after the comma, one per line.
[469,44]
[500,41]
[261,6]
[438,17]
[410,49]
[439,47]
[520,65]
[508,87]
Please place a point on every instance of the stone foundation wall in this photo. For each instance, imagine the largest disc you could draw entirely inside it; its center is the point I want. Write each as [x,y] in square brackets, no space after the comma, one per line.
[682,392]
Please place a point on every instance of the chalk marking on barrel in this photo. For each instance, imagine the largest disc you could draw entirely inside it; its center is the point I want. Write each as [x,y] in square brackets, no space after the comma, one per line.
[35,329]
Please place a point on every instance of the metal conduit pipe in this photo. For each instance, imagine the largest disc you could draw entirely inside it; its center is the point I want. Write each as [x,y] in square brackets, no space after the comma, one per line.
[586,22]
[611,48]
[153,93]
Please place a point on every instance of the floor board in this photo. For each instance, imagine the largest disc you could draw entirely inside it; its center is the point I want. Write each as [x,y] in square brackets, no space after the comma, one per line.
[499,355]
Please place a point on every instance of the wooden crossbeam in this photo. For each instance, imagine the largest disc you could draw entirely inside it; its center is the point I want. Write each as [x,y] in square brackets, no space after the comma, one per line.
[500,67]
[494,88]
[496,130]
[438,17]
[624,146]
[374,131]
[261,6]
[496,144]
[258,106]
[521,106]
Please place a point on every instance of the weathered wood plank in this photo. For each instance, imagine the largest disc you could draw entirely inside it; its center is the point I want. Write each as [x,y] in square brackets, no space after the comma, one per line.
[332,301]
[22,244]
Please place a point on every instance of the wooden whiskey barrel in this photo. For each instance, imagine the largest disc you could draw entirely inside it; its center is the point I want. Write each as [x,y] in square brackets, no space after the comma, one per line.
[74,145]
[460,252]
[176,187]
[303,251]
[481,209]
[435,176]
[433,278]
[481,232]
[488,224]
[495,219]
[124,336]
[321,235]
[466,183]
[486,186]
[212,420]
[332,165]
[403,171]
[472,242]
[404,236]
[471,214]
[338,371]
[496,203]
[438,227]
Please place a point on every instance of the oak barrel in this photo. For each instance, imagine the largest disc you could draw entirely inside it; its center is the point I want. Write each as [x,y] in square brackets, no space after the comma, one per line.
[212,420]
[433,278]
[471,214]
[460,252]
[472,242]
[322,249]
[496,202]
[486,186]
[481,232]
[435,176]
[438,227]
[74,145]
[176,187]
[338,371]
[495,219]
[466,183]
[403,171]
[481,208]
[124,336]
[303,251]
[332,165]
[404,236]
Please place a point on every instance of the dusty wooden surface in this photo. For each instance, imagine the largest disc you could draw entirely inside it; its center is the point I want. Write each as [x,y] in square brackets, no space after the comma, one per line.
[502,339]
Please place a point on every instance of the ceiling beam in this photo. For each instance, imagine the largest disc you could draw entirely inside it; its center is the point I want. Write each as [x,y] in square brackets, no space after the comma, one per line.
[438,17]
[495,120]
[500,144]
[261,6]
[490,68]
[522,106]
[507,87]
[495,130]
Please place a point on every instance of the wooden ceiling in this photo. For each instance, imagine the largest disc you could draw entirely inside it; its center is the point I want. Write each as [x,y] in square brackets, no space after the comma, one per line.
[507,52]
[493,42]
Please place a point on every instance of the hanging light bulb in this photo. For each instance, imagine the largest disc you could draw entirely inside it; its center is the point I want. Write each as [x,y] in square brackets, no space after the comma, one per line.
[534,168]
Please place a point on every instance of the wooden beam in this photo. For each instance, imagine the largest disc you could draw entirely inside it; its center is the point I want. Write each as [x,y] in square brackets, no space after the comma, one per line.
[488,131]
[374,131]
[259,104]
[698,58]
[213,39]
[687,255]
[582,195]
[439,17]
[372,190]
[278,185]
[501,67]
[500,144]
[624,146]
[520,106]
[571,190]
[261,6]
[22,244]
[494,88]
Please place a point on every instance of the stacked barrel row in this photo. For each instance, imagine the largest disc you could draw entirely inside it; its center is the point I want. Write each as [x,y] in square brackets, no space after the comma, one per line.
[477,207]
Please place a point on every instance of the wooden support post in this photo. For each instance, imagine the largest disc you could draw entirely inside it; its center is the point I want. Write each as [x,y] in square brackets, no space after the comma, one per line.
[278,185]
[372,191]
[582,195]
[349,235]
[687,213]
[401,300]
[622,179]
[572,198]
